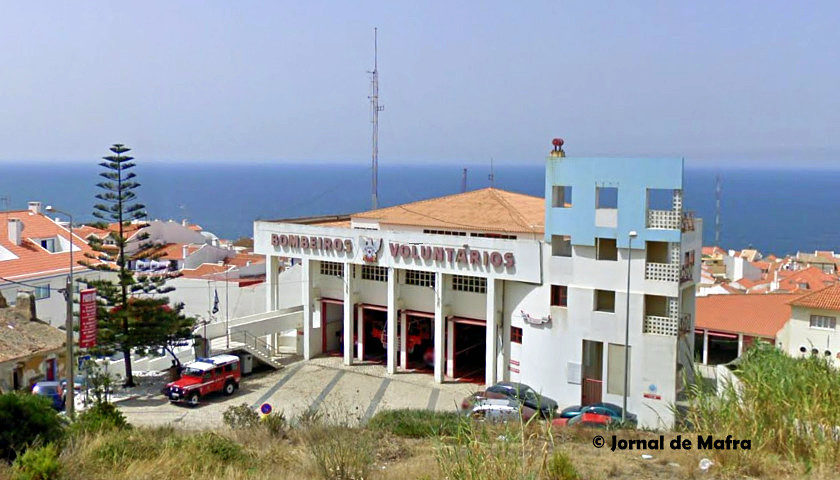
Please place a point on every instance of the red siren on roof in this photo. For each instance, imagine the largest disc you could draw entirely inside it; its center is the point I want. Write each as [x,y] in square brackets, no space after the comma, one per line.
[558,151]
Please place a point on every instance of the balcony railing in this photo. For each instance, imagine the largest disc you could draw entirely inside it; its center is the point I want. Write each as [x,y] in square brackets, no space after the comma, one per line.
[665,272]
[671,220]
[664,219]
[688,221]
[661,325]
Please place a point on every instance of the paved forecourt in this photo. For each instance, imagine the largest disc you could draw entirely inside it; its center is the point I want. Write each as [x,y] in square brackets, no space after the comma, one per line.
[344,394]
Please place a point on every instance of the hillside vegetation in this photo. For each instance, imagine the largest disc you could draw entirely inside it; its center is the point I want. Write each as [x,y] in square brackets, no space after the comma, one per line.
[784,406]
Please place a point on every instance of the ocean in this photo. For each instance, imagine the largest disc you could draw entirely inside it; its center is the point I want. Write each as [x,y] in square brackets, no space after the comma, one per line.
[776,211]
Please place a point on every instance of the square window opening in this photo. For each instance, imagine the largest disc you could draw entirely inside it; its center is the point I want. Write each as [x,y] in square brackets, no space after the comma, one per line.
[606,197]
[660,198]
[606,249]
[605,301]
[561,196]
[561,245]
[516,335]
[559,295]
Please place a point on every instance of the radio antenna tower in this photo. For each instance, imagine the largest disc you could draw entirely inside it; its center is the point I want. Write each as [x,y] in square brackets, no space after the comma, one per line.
[492,176]
[464,181]
[375,108]
[718,191]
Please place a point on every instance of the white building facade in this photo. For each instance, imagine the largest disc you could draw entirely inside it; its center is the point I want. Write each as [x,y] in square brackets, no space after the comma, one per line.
[495,286]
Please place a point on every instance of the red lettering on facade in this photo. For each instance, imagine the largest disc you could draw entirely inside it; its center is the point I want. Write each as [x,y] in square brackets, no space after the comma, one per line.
[496,259]
[450,253]
[461,257]
[294,241]
[438,254]
[475,257]
[509,260]
[425,252]
[348,245]
[395,249]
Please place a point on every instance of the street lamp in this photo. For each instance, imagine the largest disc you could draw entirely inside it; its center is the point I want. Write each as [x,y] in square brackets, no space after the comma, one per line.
[630,236]
[68,295]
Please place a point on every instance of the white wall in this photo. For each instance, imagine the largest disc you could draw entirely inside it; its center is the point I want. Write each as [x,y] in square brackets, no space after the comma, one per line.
[197,296]
[798,332]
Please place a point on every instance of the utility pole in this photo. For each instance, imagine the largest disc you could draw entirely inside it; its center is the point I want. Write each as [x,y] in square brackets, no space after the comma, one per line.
[70,403]
[718,193]
[375,108]
[630,237]
[492,176]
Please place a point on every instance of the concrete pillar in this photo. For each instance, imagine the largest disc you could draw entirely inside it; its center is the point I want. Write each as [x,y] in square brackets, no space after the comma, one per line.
[490,361]
[705,347]
[348,313]
[403,341]
[438,327]
[306,298]
[391,326]
[360,333]
[450,349]
[740,344]
[272,264]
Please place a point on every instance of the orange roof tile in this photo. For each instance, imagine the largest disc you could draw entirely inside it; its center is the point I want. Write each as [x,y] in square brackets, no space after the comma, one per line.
[827,299]
[241,259]
[711,251]
[811,278]
[33,261]
[487,209]
[205,271]
[760,315]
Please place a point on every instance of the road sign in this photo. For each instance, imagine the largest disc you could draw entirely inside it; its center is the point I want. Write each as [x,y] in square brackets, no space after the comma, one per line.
[265,408]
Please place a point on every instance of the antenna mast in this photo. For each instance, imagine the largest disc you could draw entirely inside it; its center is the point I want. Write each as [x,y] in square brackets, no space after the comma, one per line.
[375,108]
[492,176]
[718,192]
[464,181]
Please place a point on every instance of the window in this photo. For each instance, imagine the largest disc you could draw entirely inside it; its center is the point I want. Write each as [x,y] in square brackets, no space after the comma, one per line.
[820,321]
[463,283]
[605,301]
[494,235]
[660,198]
[606,197]
[561,245]
[48,244]
[445,232]
[559,294]
[516,335]
[372,272]
[42,291]
[333,269]
[606,249]
[615,369]
[421,279]
[561,196]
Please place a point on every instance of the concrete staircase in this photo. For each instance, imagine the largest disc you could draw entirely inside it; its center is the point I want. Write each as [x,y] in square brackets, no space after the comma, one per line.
[242,341]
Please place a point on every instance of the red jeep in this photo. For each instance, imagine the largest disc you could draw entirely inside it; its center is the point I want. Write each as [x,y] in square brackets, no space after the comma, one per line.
[219,373]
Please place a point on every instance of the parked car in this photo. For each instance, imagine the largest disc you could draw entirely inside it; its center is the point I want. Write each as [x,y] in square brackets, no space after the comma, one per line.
[609,409]
[592,420]
[53,391]
[519,392]
[204,376]
[79,383]
[500,410]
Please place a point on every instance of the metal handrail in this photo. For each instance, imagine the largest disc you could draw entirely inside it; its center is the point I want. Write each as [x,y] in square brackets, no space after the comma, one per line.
[257,343]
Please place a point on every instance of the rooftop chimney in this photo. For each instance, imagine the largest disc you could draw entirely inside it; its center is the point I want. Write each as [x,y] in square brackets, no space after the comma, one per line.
[185,250]
[15,227]
[35,207]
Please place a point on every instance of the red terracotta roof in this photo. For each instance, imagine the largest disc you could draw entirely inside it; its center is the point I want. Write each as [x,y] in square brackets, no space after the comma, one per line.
[811,278]
[760,315]
[33,261]
[488,209]
[241,259]
[711,251]
[827,299]
[206,271]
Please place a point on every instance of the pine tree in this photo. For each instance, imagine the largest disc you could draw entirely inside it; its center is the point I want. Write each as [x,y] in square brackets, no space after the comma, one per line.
[132,316]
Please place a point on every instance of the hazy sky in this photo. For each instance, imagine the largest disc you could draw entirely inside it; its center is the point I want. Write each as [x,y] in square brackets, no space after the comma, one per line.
[719,82]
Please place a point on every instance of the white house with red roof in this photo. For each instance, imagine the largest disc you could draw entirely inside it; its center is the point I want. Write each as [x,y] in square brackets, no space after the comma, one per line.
[35,257]
[812,328]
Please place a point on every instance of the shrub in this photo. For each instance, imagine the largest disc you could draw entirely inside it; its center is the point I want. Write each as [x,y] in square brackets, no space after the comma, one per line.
[559,467]
[40,463]
[102,416]
[240,416]
[416,423]
[340,453]
[221,448]
[275,424]
[27,419]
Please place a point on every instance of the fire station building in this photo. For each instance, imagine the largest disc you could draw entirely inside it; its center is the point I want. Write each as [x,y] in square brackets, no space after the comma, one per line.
[492,285]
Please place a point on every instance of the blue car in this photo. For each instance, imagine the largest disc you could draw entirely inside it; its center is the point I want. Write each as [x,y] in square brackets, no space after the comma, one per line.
[51,390]
[609,409]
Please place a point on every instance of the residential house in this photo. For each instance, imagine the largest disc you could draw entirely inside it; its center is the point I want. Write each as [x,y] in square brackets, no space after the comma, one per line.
[812,328]
[30,349]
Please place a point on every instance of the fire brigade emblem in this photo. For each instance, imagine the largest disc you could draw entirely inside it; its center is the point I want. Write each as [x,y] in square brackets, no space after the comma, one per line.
[370,249]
